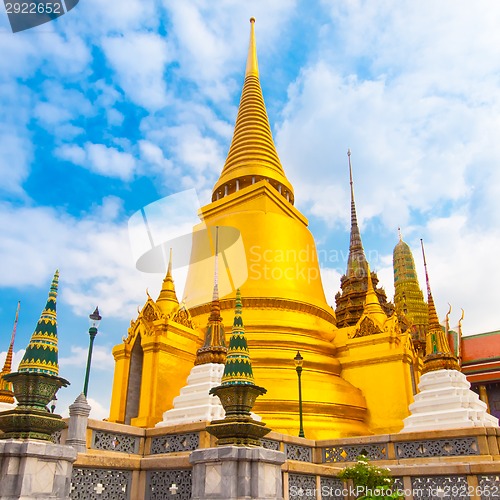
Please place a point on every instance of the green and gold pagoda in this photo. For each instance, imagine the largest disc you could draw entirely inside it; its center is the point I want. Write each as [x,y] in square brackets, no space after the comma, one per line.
[408,297]
[238,392]
[36,382]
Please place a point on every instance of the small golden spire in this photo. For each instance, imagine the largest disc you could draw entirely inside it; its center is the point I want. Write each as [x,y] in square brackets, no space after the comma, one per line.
[399,234]
[167,300]
[252,63]
[372,305]
[6,392]
[214,348]
[438,353]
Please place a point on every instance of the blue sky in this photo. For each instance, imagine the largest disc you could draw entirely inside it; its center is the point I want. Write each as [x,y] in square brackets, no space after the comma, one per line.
[118,104]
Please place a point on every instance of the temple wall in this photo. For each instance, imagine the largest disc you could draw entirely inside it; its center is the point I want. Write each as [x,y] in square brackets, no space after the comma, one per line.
[140,464]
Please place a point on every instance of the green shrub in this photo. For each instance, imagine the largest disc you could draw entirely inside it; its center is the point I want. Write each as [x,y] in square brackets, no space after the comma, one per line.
[370,481]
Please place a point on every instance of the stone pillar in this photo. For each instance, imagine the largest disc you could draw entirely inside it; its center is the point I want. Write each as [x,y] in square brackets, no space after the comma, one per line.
[35,469]
[483,396]
[79,413]
[237,472]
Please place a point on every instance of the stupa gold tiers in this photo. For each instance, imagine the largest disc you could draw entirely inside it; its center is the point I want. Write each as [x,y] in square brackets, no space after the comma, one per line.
[360,362]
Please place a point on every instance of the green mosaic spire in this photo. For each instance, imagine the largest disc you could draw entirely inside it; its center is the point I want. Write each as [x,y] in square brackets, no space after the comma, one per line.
[238,369]
[41,353]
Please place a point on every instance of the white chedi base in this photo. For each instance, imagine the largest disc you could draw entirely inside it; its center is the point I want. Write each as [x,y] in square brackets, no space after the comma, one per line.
[7,406]
[195,404]
[445,401]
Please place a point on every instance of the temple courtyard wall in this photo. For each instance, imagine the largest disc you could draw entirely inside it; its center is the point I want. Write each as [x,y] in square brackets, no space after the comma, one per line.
[129,463]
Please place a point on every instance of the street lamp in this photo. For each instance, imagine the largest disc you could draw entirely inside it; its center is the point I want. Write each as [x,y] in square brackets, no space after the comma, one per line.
[95,319]
[298,366]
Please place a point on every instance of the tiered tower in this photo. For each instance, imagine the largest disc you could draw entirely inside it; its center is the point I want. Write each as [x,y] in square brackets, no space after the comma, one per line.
[285,305]
[408,297]
[6,392]
[354,282]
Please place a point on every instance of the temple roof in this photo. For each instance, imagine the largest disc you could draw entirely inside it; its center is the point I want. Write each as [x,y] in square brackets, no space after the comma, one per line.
[252,156]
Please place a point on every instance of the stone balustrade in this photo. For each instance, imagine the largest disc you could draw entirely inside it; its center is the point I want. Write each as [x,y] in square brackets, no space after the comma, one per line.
[131,463]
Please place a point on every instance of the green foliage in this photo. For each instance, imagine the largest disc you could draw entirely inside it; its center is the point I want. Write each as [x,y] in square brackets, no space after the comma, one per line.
[371,481]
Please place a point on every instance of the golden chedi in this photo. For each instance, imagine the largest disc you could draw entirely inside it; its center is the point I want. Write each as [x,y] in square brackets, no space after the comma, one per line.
[266,250]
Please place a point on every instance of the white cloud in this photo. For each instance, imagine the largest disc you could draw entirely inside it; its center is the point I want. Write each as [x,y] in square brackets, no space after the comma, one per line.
[139,60]
[102,359]
[92,254]
[16,153]
[100,159]
[110,162]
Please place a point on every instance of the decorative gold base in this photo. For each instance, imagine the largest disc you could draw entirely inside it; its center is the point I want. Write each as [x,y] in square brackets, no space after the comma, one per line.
[238,399]
[21,423]
[211,354]
[238,431]
[440,361]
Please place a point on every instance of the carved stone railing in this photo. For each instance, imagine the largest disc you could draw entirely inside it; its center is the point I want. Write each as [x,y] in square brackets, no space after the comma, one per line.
[104,484]
[437,448]
[129,463]
[172,443]
[349,453]
[298,452]
[110,441]
[163,484]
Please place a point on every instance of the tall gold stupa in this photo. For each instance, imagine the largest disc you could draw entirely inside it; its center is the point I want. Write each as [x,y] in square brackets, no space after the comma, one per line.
[356,380]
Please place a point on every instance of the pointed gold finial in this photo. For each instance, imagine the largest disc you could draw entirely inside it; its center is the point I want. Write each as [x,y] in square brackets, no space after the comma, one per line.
[169,269]
[399,234]
[372,304]
[460,322]
[214,348]
[252,63]
[252,156]
[447,320]
[167,300]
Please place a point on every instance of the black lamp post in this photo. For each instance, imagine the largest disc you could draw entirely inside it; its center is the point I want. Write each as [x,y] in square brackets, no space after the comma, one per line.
[95,319]
[298,366]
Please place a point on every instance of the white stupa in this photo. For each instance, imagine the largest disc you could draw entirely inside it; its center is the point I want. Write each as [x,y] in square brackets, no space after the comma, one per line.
[195,404]
[445,399]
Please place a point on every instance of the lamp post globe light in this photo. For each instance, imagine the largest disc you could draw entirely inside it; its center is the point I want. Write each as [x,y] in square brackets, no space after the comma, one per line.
[95,319]
[298,366]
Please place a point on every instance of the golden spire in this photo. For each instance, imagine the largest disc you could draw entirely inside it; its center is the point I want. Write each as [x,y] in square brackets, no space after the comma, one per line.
[6,393]
[438,353]
[214,348]
[372,305]
[252,64]
[356,263]
[167,300]
[252,156]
